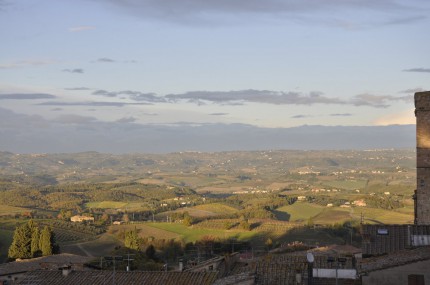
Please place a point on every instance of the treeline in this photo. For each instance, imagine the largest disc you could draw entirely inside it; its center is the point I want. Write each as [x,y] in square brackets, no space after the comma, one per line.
[167,250]
[387,202]
[79,227]
[74,196]
[30,241]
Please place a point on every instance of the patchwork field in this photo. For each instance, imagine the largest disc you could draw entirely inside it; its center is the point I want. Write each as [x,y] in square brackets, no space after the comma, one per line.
[372,215]
[346,184]
[129,206]
[102,246]
[216,208]
[332,215]
[11,210]
[201,211]
[180,232]
[299,211]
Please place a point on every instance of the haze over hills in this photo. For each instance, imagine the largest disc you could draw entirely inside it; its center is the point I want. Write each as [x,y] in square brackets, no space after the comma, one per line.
[119,137]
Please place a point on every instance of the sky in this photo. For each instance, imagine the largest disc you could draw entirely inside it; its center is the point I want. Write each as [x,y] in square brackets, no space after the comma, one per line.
[267,64]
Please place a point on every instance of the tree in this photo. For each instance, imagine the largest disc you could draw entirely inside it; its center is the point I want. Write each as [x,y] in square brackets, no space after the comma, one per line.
[245,225]
[188,220]
[150,252]
[269,243]
[21,243]
[35,237]
[131,239]
[45,241]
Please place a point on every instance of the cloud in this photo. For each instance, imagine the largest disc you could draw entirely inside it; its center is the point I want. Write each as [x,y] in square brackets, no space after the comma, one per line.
[419,69]
[310,116]
[218,114]
[74,119]
[90,104]
[300,116]
[76,70]
[240,97]
[105,59]
[57,109]
[70,133]
[283,98]
[126,120]
[133,95]
[10,120]
[26,96]
[25,63]
[255,96]
[341,115]
[77,88]
[413,90]
[329,12]
[378,101]
[150,114]
[81,28]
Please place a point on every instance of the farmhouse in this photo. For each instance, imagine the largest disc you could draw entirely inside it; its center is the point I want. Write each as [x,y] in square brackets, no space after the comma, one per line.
[360,203]
[80,219]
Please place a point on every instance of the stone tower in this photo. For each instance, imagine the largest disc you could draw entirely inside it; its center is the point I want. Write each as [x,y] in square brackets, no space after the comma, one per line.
[422,194]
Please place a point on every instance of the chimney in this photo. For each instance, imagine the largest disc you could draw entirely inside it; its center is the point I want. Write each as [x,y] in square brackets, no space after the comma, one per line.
[66,270]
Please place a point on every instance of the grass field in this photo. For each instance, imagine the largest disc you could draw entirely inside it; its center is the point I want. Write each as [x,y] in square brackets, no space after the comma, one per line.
[187,234]
[145,230]
[300,211]
[346,184]
[384,216]
[102,246]
[116,205]
[332,215]
[201,211]
[106,205]
[11,210]
[217,208]
[398,189]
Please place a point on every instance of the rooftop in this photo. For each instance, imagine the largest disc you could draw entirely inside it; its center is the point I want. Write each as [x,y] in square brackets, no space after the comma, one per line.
[121,277]
[25,265]
[394,259]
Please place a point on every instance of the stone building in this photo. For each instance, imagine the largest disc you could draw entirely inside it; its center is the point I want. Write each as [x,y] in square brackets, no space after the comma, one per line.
[80,219]
[422,194]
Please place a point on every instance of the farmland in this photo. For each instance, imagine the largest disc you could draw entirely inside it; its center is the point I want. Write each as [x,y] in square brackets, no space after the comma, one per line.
[283,195]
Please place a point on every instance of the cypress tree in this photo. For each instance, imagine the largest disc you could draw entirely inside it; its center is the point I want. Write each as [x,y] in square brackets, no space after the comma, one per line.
[35,236]
[131,240]
[21,243]
[45,244]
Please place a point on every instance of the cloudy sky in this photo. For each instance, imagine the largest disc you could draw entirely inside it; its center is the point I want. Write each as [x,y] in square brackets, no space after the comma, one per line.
[265,63]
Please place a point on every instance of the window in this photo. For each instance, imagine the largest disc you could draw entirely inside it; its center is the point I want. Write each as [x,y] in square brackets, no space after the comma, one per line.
[415,279]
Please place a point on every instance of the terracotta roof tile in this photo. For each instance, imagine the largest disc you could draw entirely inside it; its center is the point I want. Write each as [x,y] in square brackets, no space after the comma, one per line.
[394,259]
[43,277]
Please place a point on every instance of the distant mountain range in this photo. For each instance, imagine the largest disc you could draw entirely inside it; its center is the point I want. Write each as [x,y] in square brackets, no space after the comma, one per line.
[132,137]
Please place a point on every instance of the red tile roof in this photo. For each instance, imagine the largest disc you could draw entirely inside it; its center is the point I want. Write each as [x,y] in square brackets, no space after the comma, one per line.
[43,277]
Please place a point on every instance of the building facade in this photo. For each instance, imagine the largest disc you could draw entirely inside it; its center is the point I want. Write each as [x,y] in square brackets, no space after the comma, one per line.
[422,194]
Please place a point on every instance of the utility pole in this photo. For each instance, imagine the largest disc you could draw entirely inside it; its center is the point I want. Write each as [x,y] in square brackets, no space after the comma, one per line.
[128,261]
[114,259]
